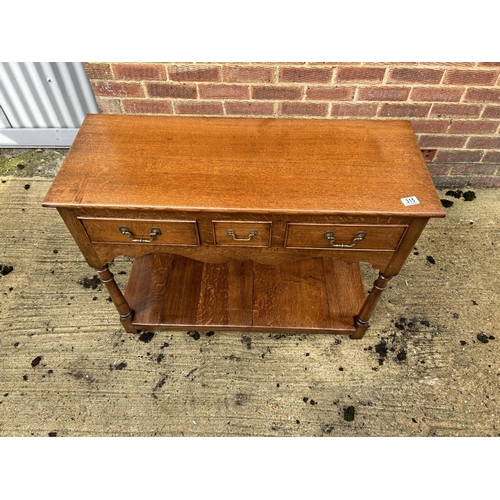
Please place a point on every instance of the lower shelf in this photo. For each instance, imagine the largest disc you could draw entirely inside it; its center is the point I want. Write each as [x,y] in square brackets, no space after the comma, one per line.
[169,292]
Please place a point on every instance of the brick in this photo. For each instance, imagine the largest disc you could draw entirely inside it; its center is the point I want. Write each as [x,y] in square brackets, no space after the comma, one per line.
[143,71]
[474,169]
[390,63]
[335,63]
[493,64]
[147,106]
[285,93]
[303,109]
[482,95]
[404,110]
[109,105]
[484,182]
[175,90]
[116,89]
[441,141]
[220,91]
[320,93]
[383,93]
[415,75]
[436,94]
[309,75]
[359,74]
[249,108]
[444,181]
[470,77]
[194,73]
[98,71]
[483,143]
[422,125]
[198,108]
[473,127]
[458,156]
[492,157]
[491,112]
[357,110]
[438,168]
[456,110]
[447,64]
[252,74]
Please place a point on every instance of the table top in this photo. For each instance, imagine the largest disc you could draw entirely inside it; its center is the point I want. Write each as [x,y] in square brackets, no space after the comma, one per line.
[251,165]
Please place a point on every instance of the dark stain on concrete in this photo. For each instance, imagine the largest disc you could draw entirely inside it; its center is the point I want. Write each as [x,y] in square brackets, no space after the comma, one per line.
[484,338]
[446,203]
[36,361]
[160,358]
[79,375]
[52,434]
[241,399]
[146,337]
[401,355]
[276,336]
[92,283]
[327,428]
[194,335]
[469,196]
[119,366]
[455,194]
[349,413]
[160,383]
[4,270]
[247,341]
[430,260]
[381,349]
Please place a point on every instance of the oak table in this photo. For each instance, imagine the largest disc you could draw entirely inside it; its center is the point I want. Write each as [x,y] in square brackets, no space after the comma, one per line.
[245,224]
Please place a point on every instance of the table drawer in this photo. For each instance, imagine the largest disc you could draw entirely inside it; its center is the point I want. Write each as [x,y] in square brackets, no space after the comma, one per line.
[242,233]
[344,236]
[155,232]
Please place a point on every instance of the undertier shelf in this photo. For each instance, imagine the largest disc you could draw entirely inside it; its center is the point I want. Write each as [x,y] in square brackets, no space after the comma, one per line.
[315,295]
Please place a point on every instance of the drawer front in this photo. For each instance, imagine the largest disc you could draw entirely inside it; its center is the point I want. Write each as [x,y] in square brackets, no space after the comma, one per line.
[140,231]
[242,233]
[344,236]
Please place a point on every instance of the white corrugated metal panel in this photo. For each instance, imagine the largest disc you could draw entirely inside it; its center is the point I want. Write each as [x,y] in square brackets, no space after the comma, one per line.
[43,103]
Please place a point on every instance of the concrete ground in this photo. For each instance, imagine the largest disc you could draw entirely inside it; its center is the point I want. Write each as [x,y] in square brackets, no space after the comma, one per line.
[429,366]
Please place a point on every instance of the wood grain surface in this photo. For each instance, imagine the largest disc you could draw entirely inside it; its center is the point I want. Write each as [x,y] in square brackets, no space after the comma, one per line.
[310,295]
[313,236]
[249,165]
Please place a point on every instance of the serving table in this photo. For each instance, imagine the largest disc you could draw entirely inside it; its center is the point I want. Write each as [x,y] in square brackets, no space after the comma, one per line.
[245,224]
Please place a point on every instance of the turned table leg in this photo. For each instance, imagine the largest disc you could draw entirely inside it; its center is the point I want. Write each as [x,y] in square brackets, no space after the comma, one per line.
[368,307]
[126,314]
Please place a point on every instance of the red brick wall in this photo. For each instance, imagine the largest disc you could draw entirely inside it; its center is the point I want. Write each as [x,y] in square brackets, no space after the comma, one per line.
[454,107]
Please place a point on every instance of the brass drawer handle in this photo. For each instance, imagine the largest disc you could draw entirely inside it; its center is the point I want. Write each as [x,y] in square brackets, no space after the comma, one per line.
[154,231]
[251,235]
[331,238]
